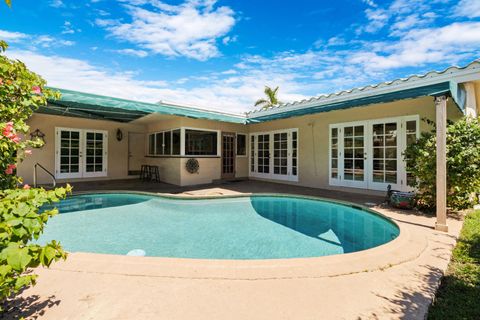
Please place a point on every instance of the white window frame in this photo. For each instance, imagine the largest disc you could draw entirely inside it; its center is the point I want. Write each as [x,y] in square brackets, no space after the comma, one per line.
[368,125]
[155,142]
[82,173]
[271,175]
[246,145]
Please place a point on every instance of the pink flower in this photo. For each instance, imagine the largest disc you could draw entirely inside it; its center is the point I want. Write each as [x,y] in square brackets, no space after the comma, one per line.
[7,131]
[10,168]
[1,81]
[26,187]
[15,138]
[36,90]
[28,152]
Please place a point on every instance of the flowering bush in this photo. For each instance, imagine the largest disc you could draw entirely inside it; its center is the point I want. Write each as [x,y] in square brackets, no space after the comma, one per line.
[21,218]
[463,165]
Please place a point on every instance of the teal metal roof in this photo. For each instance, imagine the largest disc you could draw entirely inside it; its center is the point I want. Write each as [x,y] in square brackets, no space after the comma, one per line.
[92,106]
[431,90]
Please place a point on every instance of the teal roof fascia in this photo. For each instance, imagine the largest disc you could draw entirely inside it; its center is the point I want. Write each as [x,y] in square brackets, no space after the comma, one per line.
[89,105]
[429,90]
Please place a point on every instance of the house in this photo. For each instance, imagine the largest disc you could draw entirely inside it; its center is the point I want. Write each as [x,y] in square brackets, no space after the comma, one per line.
[352,139]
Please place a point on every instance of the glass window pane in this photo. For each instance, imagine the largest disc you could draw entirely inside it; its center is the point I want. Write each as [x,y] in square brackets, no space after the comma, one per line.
[348,131]
[359,153]
[411,138]
[348,153]
[200,142]
[334,132]
[391,153]
[241,145]
[391,128]
[159,143]
[176,142]
[167,141]
[378,153]
[378,129]
[348,142]
[359,131]
[390,140]
[411,126]
[151,144]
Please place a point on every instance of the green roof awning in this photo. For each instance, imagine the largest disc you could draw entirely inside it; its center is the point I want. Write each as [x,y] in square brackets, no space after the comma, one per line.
[429,90]
[92,106]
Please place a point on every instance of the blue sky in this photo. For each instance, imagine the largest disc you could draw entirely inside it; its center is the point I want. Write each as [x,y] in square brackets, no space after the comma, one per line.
[220,54]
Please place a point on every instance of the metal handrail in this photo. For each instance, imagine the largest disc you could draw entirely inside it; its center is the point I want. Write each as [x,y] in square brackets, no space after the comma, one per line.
[54,182]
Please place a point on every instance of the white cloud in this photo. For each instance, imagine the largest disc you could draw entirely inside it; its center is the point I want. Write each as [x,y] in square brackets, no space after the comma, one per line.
[133,52]
[57,4]
[48,41]
[422,46]
[370,3]
[67,28]
[10,36]
[44,41]
[400,14]
[231,91]
[468,8]
[190,29]
[229,39]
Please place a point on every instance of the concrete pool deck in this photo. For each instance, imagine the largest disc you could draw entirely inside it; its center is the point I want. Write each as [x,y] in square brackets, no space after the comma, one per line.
[393,281]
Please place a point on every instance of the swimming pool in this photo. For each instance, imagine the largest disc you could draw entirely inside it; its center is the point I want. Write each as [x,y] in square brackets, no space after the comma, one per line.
[245,227]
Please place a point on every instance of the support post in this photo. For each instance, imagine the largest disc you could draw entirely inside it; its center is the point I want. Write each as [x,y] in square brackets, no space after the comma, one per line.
[441,123]
[470,103]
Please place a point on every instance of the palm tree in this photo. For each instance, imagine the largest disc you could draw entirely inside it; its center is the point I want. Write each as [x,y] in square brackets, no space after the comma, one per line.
[270,100]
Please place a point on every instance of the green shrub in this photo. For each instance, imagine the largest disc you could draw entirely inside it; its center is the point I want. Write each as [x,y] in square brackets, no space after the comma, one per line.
[21,219]
[21,222]
[463,165]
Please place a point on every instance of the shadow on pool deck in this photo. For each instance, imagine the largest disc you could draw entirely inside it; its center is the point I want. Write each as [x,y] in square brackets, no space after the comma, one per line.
[30,307]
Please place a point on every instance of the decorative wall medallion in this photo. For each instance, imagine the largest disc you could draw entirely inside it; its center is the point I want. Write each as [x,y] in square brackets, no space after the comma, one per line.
[192,165]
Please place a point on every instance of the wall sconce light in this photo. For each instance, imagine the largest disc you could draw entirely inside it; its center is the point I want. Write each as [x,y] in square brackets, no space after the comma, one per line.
[38,135]
[119,135]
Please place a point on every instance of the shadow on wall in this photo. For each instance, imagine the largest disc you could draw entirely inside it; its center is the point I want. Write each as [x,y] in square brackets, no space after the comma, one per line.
[31,307]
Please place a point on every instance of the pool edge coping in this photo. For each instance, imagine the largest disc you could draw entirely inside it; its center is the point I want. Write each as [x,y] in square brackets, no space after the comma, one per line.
[405,247]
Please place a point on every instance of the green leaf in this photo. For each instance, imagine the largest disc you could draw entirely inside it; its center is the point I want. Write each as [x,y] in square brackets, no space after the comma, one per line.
[18,258]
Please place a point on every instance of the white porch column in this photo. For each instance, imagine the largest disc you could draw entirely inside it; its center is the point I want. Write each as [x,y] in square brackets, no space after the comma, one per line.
[441,117]
[470,102]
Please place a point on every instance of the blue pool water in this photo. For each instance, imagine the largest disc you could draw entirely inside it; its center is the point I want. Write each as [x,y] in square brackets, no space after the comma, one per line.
[257,227]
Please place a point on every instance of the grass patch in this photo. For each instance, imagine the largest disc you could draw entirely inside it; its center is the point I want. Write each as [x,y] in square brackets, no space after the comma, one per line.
[459,294]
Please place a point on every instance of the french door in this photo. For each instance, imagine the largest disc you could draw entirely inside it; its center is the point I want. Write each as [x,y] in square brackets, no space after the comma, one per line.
[273,155]
[228,155]
[80,153]
[368,154]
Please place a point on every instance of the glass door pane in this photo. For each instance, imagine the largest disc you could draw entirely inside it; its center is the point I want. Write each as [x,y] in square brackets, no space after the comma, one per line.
[385,152]
[280,153]
[334,153]
[69,153]
[294,153]
[410,137]
[263,154]
[228,155]
[354,153]
[94,154]
[252,153]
